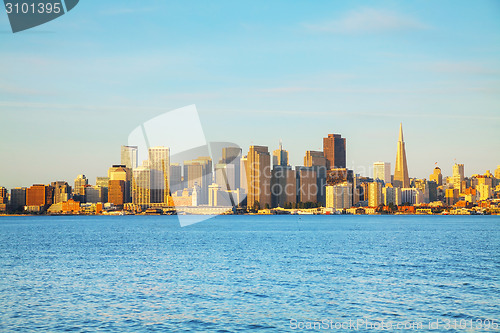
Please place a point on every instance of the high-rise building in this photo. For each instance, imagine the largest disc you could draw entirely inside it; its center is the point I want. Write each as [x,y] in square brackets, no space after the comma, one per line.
[199,172]
[458,177]
[401,178]
[314,158]
[116,191]
[102,181]
[141,186]
[243,173]
[4,198]
[39,195]
[159,164]
[225,176]
[391,195]
[258,175]
[307,188]
[79,189]
[339,196]
[62,191]
[484,192]
[280,156]
[411,196]
[334,150]
[283,186]
[17,198]
[375,194]
[497,172]
[382,171]
[120,172]
[95,194]
[437,176]
[129,156]
[232,155]
[317,161]
[175,178]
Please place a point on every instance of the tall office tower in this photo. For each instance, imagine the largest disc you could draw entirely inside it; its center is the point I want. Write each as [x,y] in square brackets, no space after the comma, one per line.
[437,176]
[314,158]
[17,198]
[307,188]
[280,156]
[423,186]
[141,186]
[159,164]
[175,178]
[199,172]
[283,186]
[62,191]
[4,198]
[243,174]
[129,156]
[412,196]
[334,151]
[258,174]
[339,196]
[484,192]
[95,194]
[375,194]
[317,161]
[120,172]
[39,195]
[225,176]
[497,173]
[79,189]
[458,177]
[102,181]
[391,195]
[117,191]
[232,155]
[401,178]
[382,171]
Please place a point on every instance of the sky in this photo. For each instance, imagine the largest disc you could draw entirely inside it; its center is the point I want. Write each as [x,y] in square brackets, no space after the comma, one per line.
[73,89]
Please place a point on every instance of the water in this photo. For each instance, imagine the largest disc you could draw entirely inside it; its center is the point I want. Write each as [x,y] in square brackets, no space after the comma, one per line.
[246,273]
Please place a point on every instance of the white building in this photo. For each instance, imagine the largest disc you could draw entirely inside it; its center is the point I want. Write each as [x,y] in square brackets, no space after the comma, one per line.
[382,171]
[339,196]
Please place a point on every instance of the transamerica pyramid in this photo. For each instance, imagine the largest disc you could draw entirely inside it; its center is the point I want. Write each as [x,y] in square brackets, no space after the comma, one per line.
[401,178]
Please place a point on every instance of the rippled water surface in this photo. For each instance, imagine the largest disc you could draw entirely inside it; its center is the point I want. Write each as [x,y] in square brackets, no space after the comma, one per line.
[245,273]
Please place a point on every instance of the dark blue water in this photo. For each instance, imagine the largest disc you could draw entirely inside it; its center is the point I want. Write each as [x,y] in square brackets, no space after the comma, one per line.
[247,273]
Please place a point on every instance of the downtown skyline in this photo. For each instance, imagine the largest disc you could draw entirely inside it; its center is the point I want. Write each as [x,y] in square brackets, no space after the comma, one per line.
[73,89]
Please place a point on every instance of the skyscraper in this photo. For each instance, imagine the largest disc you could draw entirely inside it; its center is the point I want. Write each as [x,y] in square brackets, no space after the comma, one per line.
[258,174]
[314,158]
[382,171]
[280,156]
[159,164]
[129,156]
[401,178]
[334,151]
[458,176]
[437,176]
[317,161]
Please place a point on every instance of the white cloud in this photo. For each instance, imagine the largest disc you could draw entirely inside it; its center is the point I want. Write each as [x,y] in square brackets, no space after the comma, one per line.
[368,20]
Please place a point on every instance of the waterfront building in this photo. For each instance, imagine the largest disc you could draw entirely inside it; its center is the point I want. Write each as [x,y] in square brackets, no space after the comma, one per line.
[17,198]
[334,151]
[382,171]
[401,178]
[258,175]
[339,196]
[40,196]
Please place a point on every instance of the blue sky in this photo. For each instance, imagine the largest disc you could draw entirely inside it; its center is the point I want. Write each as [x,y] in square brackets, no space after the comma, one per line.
[71,90]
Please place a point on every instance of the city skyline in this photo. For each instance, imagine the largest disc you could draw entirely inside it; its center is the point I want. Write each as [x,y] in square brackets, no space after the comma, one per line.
[73,89]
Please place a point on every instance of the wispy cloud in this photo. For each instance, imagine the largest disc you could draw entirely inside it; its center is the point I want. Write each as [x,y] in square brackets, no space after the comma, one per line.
[368,20]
